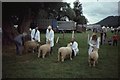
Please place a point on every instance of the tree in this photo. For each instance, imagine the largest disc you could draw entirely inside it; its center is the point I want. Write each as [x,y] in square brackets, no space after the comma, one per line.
[83,20]
[80,18]
[70,12]
[42,14]
[77,8]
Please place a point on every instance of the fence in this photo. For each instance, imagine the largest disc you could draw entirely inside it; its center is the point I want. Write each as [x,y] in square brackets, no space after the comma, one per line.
[66,25]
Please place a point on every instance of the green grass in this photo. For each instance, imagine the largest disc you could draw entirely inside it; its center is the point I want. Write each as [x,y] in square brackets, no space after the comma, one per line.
[30,66]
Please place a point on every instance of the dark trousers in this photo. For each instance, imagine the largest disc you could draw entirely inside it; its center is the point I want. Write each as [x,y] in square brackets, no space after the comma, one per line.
[51,50]
[18,48]
[73,53]
[101,38]
[114,42]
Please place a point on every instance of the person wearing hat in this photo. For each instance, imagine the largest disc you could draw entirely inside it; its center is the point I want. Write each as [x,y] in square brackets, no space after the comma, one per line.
[50,36]
[35,35]
[19,42]
[75,49]
[93,42]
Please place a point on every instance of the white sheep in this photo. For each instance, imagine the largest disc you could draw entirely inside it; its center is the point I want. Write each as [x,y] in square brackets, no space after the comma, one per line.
[31,45]
[93,57]
[63,52]
[44,50]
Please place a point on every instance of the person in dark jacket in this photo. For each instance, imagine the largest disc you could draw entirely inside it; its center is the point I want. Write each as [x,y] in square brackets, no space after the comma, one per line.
[19,43]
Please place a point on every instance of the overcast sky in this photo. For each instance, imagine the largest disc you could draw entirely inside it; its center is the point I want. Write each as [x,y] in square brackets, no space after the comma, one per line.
[96,10]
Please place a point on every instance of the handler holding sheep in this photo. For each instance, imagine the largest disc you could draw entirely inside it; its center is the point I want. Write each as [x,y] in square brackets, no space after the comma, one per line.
[93,42]
[50,36]
[19,42]
[75,49]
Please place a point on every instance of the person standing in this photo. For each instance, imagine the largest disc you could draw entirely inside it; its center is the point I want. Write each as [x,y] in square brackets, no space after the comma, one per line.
[74,47]
[104,34]
[93,43]
[19,42]
[50,36]
[115,39]
[101,37]
[35,35]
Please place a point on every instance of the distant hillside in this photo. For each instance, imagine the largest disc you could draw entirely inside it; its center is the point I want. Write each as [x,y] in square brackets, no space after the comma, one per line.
[113,21]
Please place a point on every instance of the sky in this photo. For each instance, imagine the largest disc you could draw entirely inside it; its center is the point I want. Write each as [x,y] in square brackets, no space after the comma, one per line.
[96,10]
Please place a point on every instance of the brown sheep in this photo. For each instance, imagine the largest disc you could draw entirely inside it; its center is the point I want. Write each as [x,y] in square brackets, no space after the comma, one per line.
[93,57]
[31,45]
[44,50]
[63,52]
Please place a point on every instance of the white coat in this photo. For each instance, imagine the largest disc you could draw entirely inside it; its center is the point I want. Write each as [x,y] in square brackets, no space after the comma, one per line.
[50,37]
[75,47]
[35,36]
[92,44]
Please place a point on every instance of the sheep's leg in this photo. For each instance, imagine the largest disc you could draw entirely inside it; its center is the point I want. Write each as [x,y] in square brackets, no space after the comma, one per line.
[89,62]
[43,56]
[49,53]
[70,56]
[93,63]
[58,57]
[62,59]
[97,61]
[39,54]
[33,50]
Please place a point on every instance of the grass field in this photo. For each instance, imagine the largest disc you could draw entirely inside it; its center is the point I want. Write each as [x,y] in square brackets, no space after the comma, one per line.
[30,66]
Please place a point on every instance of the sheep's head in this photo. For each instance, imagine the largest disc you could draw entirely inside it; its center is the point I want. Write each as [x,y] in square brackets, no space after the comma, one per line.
[95,49]
[69,45]
[38,44]
[48,42]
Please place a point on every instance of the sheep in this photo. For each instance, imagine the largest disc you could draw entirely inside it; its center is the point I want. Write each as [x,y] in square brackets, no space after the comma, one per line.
[44,50]
[31,45]
[63,52]
[93,57]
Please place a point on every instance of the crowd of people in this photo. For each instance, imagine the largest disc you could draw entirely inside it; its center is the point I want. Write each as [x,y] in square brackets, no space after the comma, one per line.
[94,40]
[35,36]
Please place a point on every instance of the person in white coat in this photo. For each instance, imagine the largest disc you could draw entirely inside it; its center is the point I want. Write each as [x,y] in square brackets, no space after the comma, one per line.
[74,47]
[35,35]
[94,42]
[50,36]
